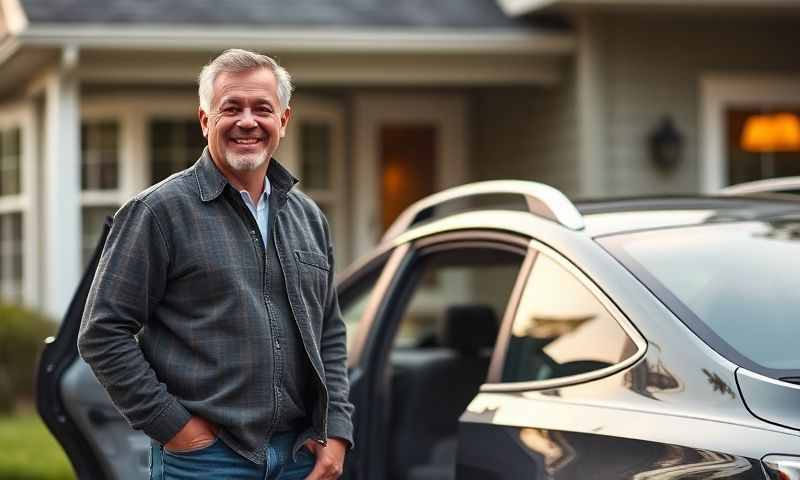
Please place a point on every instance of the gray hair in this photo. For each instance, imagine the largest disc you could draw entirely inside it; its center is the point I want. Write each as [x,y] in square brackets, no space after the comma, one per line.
[236,60]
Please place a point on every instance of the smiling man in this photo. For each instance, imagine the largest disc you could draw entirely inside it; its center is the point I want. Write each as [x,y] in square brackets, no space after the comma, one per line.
[213,321]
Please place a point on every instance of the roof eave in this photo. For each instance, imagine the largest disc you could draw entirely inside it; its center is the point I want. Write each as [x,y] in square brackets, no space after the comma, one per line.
[199,37]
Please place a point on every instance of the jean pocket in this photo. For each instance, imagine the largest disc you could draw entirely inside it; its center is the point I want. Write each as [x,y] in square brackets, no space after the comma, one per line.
[193,451]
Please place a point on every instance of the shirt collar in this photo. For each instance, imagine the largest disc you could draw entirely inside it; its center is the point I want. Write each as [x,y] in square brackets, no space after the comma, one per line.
[211,182]
[264,195]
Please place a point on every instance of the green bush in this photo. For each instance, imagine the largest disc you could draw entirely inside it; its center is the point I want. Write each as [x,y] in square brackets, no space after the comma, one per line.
[22,334]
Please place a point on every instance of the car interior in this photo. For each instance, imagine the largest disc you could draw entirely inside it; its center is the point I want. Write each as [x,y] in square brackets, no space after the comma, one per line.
[432,386]
[446,331]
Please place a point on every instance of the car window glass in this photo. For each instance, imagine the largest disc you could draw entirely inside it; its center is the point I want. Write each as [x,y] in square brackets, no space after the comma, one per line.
[735,284]
[470,283]
[353,301]
[561,329]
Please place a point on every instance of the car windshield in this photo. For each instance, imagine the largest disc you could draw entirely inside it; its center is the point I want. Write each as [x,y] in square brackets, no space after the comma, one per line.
[737,285]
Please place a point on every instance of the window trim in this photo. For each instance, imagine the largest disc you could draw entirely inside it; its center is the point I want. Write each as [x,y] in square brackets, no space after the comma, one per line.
[20,115]
[494,383]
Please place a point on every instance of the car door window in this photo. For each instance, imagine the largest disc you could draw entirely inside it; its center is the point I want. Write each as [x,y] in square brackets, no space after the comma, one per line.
[561,329]
[471,282]
[354,296]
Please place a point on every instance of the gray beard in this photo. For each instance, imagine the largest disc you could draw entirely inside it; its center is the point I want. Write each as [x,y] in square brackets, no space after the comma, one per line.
[245,163]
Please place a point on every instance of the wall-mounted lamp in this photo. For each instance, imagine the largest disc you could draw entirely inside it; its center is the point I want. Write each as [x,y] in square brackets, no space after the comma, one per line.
[665,143]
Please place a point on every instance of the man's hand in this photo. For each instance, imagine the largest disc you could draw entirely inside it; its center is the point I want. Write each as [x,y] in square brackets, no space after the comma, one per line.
[196,434]
[330,459]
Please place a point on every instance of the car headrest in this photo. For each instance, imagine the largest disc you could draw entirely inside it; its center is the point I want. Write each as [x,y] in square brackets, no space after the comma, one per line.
[468,328]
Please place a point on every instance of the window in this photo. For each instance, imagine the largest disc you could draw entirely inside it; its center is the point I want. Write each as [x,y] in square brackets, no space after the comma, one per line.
[750,133]
[100,179]
[99,155]
[9,162]
[175,144]
[11,215]
[561,329]
[320,165]
[11,257]
[314,151]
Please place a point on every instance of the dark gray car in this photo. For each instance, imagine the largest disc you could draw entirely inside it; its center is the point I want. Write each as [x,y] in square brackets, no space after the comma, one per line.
[500,331]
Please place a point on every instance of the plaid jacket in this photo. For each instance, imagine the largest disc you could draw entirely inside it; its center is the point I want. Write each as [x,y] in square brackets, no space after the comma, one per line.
[175,323]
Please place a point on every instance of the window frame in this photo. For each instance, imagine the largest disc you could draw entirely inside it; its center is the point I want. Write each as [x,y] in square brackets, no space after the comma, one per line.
[330,112]
[494,382]
[20,116]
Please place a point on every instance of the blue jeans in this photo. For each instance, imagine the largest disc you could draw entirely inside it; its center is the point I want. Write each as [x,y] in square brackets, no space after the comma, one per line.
[218,461]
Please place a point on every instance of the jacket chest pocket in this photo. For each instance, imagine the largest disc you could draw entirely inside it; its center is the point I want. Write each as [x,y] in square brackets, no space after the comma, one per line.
[313,269]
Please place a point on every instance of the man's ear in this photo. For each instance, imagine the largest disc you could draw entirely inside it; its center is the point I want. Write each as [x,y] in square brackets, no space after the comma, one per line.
[203,116]
[285,117]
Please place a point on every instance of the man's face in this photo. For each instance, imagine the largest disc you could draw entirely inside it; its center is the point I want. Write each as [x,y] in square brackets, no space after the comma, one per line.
[246,122]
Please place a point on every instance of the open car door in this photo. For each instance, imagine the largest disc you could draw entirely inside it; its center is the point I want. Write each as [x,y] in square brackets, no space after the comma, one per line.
[76,408]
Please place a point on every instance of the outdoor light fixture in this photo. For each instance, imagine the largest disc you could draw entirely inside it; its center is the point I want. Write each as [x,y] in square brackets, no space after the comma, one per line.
[665,143]
[770,133]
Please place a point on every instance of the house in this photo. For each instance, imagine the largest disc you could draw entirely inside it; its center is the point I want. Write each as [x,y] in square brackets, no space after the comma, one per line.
[394,100]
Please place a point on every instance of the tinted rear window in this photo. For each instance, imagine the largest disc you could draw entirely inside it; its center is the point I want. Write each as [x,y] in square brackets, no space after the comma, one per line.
[737,285]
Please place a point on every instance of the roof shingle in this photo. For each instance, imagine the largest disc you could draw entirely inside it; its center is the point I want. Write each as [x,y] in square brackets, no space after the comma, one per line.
[413,14]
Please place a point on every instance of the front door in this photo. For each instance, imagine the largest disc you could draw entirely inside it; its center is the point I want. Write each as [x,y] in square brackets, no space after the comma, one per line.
[406,146]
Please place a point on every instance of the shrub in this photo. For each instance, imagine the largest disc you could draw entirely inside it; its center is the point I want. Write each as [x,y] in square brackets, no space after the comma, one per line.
[22,334]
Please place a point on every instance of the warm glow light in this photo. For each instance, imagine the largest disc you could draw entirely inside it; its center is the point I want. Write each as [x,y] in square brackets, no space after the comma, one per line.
[779,132]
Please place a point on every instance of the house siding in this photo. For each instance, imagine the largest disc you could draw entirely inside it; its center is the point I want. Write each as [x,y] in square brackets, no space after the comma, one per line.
[653,68]
[527,134]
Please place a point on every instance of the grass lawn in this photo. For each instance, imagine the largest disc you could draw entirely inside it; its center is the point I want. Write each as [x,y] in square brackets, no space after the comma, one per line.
[28,451]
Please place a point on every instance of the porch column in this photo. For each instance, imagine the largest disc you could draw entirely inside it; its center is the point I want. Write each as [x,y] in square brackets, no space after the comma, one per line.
[61,178]
[591,94]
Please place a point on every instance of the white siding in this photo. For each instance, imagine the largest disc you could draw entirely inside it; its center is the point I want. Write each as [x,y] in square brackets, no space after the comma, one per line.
[653,68]
[528,134]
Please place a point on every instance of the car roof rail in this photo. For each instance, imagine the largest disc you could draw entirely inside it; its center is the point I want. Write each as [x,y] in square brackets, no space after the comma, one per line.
[541,200]
[770,185]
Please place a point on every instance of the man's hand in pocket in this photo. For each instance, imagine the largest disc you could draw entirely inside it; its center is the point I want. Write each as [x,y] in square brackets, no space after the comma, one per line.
[196,434]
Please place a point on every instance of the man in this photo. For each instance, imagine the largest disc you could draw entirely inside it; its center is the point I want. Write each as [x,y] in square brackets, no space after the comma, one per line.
[212,321]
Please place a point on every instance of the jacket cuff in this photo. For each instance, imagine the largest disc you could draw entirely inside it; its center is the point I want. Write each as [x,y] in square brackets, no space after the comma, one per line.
[168,423]
[340,427]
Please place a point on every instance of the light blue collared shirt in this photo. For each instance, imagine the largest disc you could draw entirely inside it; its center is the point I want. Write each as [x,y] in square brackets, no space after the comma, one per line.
[260,211]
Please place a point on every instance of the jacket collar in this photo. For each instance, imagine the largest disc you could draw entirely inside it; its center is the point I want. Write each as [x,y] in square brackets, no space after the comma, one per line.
[211,182]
